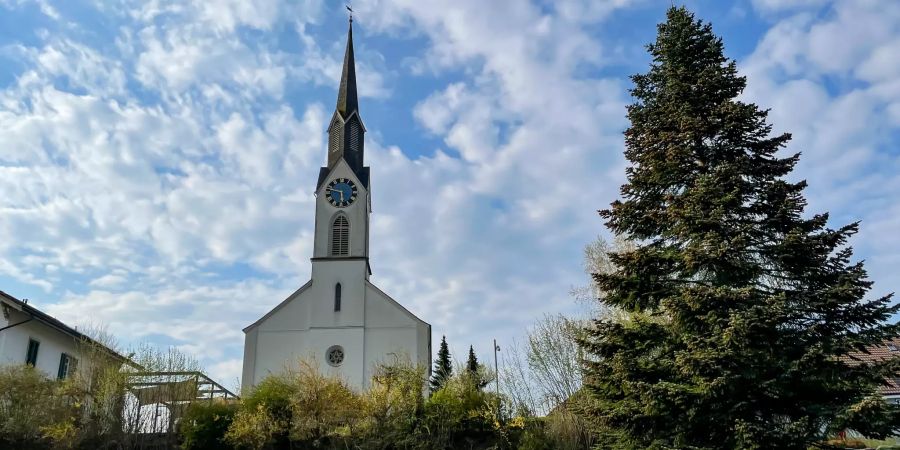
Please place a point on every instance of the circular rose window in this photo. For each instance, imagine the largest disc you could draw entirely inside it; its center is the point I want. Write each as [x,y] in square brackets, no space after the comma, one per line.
[335,355]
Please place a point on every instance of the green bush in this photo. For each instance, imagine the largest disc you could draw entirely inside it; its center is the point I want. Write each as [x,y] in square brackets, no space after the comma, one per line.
[35,411]
[264,415]
[204,424]
[392,408]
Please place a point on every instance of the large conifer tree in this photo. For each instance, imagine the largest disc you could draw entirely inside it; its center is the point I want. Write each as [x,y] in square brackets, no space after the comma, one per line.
[741,307]
[443,367]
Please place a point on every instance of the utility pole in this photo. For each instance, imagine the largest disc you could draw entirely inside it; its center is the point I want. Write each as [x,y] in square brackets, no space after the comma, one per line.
[497,377]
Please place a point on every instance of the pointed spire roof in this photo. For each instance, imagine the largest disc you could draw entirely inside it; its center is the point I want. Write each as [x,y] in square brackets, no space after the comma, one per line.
[348,102]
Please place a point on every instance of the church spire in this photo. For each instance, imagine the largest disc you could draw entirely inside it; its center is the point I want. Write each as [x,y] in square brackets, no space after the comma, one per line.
[347,102]
[346,131]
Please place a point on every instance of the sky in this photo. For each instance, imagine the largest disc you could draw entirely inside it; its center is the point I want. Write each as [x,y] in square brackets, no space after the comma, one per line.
[158,158]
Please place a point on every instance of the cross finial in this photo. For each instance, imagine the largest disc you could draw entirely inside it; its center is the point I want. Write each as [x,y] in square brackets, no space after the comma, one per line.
[350,9]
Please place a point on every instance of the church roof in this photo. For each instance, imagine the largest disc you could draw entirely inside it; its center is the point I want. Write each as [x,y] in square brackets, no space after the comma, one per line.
[348,101]
[363,176]
[346,130]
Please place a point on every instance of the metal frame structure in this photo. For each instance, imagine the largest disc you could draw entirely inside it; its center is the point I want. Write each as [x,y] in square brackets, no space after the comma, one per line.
[167,395]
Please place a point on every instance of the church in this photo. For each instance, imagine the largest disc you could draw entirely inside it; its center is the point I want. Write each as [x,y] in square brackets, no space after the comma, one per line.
[338,318]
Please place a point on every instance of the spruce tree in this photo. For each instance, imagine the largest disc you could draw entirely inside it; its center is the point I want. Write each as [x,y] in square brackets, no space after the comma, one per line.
[443,368]
[472,369]
[472,362]
[742,308]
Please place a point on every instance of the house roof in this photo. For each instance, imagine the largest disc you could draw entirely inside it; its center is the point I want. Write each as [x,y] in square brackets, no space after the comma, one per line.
[881,352]
[40,316]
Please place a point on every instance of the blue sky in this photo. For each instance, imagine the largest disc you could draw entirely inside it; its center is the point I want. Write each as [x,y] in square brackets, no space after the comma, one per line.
[158,158]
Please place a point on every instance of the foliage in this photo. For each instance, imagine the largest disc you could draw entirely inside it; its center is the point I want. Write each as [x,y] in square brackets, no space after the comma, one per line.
[459,415]
[254,428]
[475,370]
[392,407]
[264,414]
[204,424]
[472,361]
[443,367]
[322,408]
[739,307]
[392,414]
[33,411]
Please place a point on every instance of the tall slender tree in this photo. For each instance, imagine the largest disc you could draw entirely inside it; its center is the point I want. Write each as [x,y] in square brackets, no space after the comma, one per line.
[472,362]
[443,367]
[741,307]
[473,370]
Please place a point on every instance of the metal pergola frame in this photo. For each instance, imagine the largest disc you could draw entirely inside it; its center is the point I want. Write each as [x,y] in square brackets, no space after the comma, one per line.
[206,387]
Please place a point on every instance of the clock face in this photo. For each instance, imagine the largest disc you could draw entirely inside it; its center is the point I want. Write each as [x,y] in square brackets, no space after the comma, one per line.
[341,192]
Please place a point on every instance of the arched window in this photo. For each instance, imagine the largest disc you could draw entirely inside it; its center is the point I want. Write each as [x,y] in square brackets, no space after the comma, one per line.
[340,236]
[337,297]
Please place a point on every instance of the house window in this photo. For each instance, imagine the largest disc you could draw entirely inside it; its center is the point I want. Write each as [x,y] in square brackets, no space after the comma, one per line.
[67,366]
[340,236]
[31,356]
[337,297]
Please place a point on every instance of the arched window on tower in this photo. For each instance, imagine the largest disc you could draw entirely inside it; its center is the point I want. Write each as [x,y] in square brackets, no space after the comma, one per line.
[337,297]
[340,236]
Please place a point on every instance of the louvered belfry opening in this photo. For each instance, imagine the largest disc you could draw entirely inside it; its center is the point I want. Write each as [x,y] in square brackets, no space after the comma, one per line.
[340,236]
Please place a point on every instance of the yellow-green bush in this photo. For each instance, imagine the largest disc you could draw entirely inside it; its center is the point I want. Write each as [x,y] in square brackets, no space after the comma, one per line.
[34,410]
[204,424]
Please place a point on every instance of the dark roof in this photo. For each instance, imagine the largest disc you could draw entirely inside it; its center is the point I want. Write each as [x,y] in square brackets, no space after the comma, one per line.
[363,176]
[53,322]
[886,350]
[348,102]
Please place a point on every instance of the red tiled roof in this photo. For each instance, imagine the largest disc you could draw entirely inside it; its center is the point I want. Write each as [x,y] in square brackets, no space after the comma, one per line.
[887,350]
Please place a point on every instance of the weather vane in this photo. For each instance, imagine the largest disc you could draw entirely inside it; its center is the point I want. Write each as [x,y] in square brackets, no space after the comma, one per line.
[349,8]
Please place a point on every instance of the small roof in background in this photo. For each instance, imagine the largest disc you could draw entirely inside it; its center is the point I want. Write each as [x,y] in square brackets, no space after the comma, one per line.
[881,352]
[53,322]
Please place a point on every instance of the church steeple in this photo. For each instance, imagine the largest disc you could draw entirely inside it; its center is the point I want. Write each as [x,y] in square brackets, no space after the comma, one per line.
[347,101]
[346,131]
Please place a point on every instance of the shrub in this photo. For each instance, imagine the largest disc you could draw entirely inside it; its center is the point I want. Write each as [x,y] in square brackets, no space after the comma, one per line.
[392,407]
[264,415]
[254,428]
[34,412]
[204,424]
[460,415]
[322,408]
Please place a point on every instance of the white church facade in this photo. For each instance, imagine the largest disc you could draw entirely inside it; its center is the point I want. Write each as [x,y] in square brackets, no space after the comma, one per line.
[338,318]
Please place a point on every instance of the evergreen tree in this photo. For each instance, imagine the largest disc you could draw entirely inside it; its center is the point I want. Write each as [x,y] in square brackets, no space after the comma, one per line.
[472,362]
[741,309]
[443,368]
[474,371]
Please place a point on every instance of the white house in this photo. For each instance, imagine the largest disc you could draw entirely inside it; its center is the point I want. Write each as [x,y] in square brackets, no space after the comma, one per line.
[30,336]
[338,318]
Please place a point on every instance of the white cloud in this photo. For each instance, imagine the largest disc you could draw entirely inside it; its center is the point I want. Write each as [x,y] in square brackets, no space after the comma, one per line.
[829,81]
[782,5]
[166,186]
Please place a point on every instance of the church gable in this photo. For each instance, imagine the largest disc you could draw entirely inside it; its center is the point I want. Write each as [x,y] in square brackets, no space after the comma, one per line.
[340,170]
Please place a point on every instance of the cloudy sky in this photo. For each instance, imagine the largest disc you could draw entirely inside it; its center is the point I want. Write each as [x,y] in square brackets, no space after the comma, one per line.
[158,158]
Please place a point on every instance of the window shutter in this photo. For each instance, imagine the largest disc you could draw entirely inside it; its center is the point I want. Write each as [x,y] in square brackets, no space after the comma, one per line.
[31,356]
[63,366]
[354,135]
[340,236]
